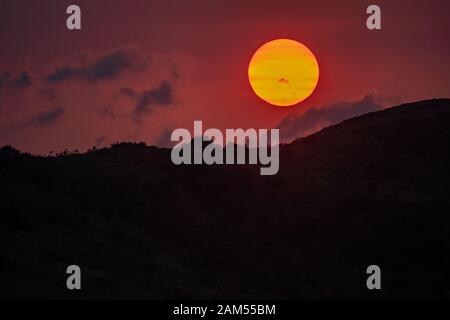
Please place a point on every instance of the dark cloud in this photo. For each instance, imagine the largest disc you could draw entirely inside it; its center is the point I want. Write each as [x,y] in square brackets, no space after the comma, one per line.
[129,92]
[109,65]
[314,119]
[21,82]
[62,73]
[159,96]
[47,118]
[104,67]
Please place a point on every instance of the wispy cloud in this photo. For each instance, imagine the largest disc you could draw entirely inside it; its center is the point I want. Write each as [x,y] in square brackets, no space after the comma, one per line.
[315,119]
[103,67]
[47,118]
[22,81]
[159,96]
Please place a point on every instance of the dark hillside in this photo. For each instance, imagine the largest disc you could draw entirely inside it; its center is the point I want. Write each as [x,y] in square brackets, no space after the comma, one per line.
[371,190]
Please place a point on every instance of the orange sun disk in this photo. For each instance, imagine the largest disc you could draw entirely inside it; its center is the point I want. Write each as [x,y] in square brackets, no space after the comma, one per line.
[283,72]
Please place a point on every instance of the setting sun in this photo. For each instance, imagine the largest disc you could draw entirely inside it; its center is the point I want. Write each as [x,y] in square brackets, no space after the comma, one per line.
[283,72]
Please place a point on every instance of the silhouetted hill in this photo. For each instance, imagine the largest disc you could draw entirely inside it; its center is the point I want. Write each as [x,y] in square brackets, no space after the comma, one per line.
[371,190]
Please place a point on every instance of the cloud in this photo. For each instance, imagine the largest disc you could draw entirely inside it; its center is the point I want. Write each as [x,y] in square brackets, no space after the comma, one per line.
[104,67]
[22,81]
[61,74]
[129,92]
[316,119]
[112,92]
[109,65]
[159,96]
[47,118]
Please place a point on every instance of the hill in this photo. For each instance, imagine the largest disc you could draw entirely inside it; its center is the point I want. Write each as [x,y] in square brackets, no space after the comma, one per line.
[370,190]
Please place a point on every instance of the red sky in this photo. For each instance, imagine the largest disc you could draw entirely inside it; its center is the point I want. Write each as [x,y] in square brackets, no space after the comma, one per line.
[139,68]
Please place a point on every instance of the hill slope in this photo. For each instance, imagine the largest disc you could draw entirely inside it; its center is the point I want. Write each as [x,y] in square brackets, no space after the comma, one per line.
[371,190]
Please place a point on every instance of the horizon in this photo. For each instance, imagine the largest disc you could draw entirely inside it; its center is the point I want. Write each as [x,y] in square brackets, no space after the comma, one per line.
[204,138]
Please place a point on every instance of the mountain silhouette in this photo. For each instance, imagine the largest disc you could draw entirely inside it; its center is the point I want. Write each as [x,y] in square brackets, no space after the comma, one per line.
[370,190]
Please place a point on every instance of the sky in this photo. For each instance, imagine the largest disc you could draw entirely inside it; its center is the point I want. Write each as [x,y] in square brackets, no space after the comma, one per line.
[139,69]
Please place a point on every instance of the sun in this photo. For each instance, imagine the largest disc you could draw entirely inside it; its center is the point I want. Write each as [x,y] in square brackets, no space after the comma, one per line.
[283,72]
